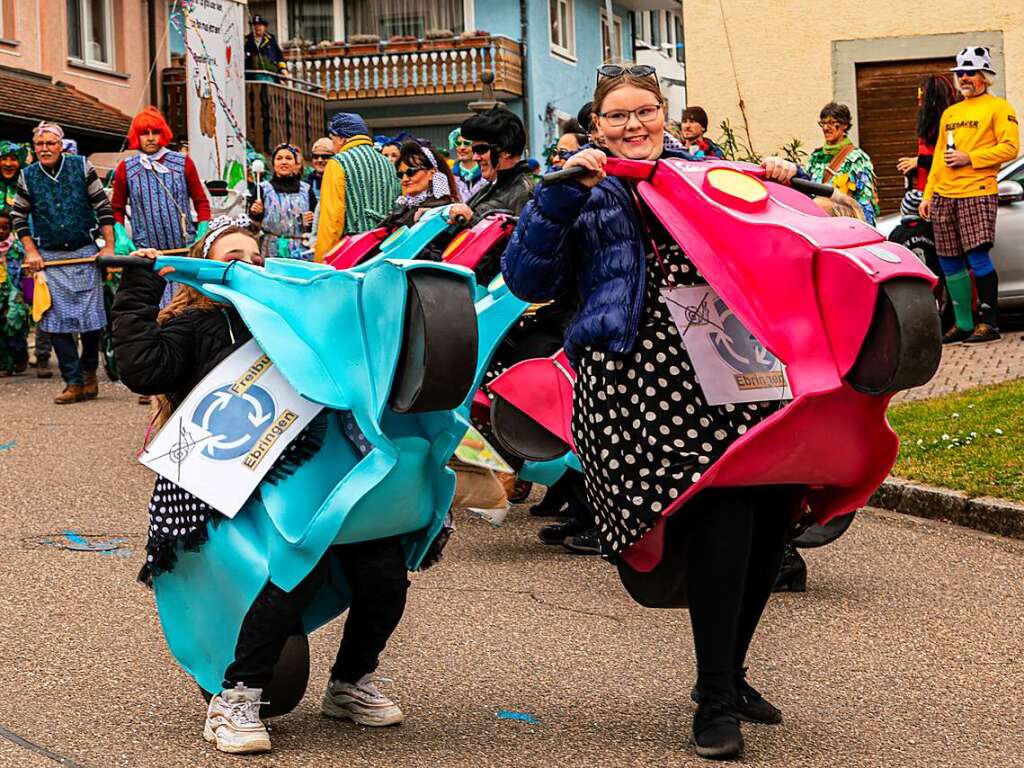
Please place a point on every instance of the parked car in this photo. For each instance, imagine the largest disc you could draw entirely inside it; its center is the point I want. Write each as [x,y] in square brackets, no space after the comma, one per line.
[1007,255]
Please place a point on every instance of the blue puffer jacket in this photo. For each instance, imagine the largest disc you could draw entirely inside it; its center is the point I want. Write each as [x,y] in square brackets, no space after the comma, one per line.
[591,240]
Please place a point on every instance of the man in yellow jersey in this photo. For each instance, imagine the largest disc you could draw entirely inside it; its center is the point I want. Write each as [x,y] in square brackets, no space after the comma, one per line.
[977,135]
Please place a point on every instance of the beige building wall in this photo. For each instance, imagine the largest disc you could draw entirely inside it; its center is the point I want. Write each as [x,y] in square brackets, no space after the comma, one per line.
[33,36]
[784,53]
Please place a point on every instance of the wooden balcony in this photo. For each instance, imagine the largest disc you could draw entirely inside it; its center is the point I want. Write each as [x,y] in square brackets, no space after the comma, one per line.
[416,70]
[282,110]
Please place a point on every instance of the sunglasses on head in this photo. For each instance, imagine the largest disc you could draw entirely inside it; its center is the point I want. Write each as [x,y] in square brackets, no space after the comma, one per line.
[410,172]
[483,149]
[317,156]
[614,70]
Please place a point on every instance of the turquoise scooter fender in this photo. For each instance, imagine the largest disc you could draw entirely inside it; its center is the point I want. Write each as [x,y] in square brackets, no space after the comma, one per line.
[349,355]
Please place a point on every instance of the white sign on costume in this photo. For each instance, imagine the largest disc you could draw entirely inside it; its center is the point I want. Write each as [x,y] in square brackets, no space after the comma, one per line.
[230,430]
[731,364]
[215,87]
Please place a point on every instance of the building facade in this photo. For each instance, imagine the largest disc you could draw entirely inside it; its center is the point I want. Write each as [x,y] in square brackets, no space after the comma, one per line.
[787,60]
[414,65]
[83,63]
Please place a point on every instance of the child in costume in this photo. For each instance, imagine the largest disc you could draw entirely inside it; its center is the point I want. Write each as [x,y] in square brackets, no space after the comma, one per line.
[167,353]
[14,311]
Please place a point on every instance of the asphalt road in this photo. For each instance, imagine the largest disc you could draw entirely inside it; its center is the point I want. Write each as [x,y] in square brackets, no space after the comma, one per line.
[905,651]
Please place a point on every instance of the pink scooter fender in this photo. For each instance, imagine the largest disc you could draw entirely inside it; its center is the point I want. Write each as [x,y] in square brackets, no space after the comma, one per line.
[471,245]
[353,249]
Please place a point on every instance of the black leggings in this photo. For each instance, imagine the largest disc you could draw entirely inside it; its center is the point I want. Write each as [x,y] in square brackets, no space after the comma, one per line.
[735,540]
[376,575]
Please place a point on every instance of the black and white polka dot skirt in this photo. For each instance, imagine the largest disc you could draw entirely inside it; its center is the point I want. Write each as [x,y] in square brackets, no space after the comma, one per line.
[642,430]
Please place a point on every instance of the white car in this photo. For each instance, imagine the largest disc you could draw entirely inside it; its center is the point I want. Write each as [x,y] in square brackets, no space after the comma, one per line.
[1008,252]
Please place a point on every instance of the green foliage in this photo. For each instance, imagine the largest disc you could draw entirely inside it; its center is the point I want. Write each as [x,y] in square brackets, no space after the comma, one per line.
[973,441]
[733,147]
[794,151]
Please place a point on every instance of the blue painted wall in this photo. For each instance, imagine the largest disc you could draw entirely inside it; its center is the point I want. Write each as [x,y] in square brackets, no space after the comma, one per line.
[558,82]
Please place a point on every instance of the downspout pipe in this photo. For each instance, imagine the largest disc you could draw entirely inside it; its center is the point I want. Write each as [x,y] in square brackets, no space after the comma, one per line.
[154,90]
[524,32]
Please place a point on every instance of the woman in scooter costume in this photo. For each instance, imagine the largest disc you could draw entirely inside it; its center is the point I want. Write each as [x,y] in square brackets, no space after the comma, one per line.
[641,428]
[167,353]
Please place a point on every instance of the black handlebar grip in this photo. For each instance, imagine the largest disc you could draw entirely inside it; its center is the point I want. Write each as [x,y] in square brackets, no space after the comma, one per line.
[119,262]
[557,177]
[460,220]
[812,188]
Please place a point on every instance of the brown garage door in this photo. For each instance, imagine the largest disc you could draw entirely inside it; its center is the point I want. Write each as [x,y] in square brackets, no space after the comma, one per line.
[887,117]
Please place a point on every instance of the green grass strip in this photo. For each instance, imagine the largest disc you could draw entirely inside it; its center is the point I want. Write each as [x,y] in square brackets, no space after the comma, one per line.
[972,441]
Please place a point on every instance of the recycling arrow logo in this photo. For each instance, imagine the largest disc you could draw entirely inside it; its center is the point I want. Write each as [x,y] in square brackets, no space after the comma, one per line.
[234,422]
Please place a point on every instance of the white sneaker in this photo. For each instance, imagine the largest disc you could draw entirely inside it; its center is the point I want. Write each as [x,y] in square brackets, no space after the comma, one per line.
[233,721]
[360,702]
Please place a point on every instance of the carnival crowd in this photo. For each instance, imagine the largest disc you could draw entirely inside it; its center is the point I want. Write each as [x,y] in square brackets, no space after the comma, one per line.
[576,251]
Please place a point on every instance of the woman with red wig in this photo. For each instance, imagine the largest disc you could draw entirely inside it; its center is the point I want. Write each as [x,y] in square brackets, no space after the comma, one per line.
[160,187]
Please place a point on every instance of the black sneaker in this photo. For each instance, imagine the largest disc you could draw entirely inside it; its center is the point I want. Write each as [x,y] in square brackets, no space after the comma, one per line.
[557,533]
[544,508]
[716,729]
[983,334]
[585,543]
[955,335]
[751,706]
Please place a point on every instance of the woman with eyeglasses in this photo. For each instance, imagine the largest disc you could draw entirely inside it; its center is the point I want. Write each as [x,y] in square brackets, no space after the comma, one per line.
[284,207]
[468,174]
[839,163]
[426,182]
[641,428]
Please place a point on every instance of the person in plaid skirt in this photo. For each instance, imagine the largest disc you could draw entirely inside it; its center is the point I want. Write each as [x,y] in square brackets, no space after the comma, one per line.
[961,197]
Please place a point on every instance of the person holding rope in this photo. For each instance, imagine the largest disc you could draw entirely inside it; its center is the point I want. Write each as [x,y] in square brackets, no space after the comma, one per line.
[65,198]
[642,429]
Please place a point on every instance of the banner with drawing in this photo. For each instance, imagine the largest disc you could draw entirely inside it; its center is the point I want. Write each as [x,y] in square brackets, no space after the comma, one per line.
[230,430]
[730,362]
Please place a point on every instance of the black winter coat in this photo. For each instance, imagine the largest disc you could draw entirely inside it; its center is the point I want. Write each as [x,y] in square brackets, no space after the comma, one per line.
[169,359]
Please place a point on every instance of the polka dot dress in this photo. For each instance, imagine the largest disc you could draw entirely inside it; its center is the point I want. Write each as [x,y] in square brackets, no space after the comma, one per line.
[642,430]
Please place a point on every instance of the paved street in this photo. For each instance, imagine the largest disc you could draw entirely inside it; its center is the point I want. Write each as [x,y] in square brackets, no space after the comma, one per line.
[964,366]
[905,651]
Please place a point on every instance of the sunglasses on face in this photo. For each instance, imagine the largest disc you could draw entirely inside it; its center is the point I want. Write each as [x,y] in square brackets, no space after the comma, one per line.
[564,154]
[619,117]
[322,157]
[483,149]
[463,143]
[408,173]
[614,70]
[964,73]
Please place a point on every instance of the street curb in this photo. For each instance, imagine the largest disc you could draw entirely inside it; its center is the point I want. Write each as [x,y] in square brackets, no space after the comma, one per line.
[983,513]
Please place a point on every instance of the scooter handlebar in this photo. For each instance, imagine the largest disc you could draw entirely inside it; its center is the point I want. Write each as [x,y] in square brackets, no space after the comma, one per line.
[120,262]
[812,188]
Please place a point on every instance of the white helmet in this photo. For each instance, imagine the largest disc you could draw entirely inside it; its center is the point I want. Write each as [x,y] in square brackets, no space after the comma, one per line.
[974,60]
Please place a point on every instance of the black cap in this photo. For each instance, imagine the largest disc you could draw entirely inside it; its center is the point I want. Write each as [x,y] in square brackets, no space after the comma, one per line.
[257,19]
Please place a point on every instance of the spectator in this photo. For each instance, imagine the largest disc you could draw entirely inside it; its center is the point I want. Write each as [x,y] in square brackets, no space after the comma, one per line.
[937,93]
[391,150]
[468,174]
[13,157]
[961,196]
[66,200]
[571,141]
[284,207]
[693,126]
[262,53]
[321,152]
[426,180]
[839,163]
[14,311]
[161,186]
[359,186]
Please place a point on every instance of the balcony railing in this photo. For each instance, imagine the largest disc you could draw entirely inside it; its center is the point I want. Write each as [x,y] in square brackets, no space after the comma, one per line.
[277,109]
[414,68]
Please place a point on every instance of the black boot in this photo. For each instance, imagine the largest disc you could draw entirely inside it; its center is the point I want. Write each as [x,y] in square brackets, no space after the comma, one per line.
[716,728]
[793,573]
[987,329]
[751,706]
